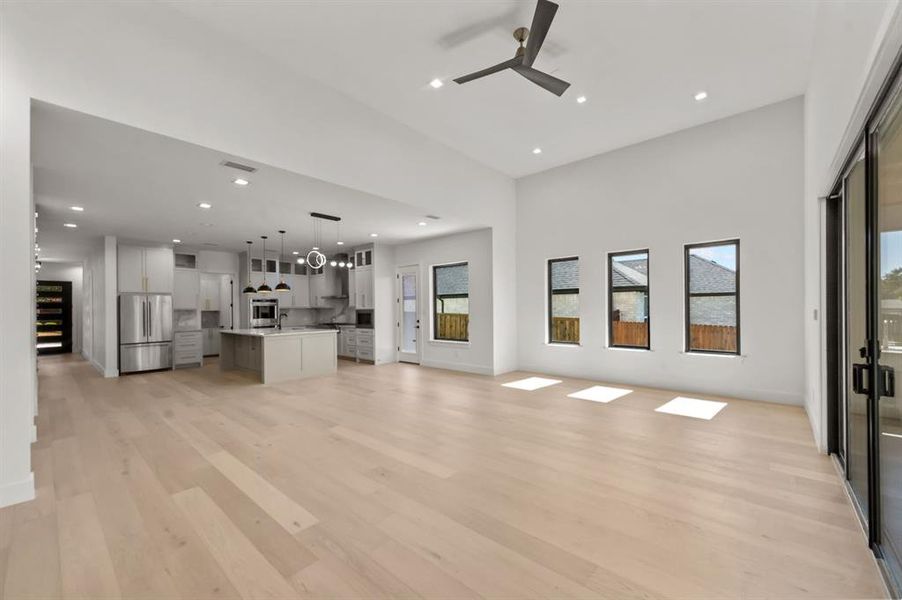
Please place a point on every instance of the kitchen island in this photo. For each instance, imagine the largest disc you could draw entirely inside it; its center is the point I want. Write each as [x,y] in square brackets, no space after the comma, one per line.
[280,354]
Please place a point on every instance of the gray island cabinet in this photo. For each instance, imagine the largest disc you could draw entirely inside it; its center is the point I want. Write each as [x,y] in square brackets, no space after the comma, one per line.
[280,355]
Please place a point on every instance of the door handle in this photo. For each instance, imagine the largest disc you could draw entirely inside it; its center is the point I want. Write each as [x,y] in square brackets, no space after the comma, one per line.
[859,371]
[887,381]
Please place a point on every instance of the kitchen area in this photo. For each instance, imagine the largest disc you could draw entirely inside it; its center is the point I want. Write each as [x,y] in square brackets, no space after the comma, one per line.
[280,316]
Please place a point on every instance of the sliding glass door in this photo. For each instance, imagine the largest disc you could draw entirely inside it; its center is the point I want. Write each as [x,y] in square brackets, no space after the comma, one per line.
[886,144]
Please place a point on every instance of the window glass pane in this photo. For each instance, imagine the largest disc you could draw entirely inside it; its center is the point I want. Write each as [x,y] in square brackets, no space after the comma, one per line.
[712,269]
[629,300]
[452,279]
[452,302]
[629,319]
[712,323]
[564,302]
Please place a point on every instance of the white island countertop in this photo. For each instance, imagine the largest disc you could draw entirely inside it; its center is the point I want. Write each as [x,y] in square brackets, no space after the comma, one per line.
[279,332]
[280,354]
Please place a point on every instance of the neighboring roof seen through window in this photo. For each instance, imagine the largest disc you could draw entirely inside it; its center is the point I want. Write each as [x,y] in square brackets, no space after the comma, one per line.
[452,280]
[565,274]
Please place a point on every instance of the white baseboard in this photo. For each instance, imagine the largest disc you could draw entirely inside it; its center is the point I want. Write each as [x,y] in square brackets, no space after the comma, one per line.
[17,491]
[454,366]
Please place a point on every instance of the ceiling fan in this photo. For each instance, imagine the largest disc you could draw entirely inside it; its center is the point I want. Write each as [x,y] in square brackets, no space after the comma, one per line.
[526,56]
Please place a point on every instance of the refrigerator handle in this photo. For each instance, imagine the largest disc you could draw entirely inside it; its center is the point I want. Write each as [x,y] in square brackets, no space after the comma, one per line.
[149,320]
[144,324]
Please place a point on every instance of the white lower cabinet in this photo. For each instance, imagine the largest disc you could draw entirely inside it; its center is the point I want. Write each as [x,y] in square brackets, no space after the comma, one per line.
[187,349]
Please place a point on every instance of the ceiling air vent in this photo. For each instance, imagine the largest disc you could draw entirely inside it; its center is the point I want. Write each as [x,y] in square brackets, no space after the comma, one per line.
[234,165]
[434,217]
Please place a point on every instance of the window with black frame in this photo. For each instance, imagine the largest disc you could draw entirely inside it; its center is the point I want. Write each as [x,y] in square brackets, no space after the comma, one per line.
[451,302]
[628,318]
[563,300]
[712,297]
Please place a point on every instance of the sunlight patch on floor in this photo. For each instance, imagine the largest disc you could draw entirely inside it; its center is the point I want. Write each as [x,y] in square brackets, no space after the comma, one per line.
[531,383]
[600,393]
[692,407]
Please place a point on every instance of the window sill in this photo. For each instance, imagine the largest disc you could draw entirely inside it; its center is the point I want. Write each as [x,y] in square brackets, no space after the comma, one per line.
[448,343]
[628,349]
[716,354]
[563,345]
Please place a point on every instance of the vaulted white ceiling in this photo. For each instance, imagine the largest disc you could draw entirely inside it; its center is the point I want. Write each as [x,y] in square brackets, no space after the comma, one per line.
[639,63]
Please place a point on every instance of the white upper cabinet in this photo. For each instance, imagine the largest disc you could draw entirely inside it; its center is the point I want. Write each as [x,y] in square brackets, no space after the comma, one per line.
[130,269]
[185,290]
[363,289]
[352,287]
[209,291]
[158,267]
[145,269]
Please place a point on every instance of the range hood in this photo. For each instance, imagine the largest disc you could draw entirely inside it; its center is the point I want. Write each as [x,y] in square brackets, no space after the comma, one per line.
[343,275]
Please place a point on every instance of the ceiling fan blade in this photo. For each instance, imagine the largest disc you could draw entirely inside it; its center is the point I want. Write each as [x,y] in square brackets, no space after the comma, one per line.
[541,23]
[552,84]
[499,67]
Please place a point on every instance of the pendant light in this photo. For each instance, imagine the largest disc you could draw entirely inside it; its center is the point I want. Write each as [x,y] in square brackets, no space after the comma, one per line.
[264,289]
[249,289]
[282,286]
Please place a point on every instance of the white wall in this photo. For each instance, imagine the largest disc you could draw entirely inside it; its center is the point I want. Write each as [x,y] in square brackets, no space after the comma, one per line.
[71,272]
[854,46]
[475,248]
[738,177]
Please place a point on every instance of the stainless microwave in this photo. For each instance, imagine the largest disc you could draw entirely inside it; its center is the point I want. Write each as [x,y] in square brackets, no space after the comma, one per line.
[365,319]
[264,312]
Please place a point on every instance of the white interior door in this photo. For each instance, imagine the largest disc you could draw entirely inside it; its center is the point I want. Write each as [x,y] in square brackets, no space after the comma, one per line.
[408,302]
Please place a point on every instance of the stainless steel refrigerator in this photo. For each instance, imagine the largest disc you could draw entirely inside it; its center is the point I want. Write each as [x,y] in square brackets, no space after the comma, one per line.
[145,332]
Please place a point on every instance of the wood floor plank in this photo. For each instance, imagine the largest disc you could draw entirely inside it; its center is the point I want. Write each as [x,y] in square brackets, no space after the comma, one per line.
[399,454]
[246,568]
[33,566]
[85,563]
[284,510]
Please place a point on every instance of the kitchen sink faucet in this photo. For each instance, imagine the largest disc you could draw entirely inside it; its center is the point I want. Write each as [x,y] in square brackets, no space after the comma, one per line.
[282,316]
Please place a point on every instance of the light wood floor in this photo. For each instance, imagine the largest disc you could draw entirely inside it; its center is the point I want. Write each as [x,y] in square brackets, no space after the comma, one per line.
[400,481]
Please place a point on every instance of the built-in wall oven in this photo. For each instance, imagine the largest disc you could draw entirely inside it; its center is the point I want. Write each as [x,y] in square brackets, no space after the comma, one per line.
[264,312]
[365,319]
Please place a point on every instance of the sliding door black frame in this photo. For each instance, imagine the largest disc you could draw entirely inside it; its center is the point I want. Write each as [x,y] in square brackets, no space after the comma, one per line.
[889,93]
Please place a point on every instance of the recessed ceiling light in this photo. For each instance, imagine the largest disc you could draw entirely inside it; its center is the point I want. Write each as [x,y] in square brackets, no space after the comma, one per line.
[295,252]
[699,96]
[76,208]
[240,181]
[70,225]
[422,223]
[581,99]
[536,150]
[340,243]
[436,83]
[204,205]
[374,235]
[176,241]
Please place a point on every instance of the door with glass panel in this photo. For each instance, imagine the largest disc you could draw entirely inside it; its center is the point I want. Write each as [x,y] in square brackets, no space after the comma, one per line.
[408,315]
